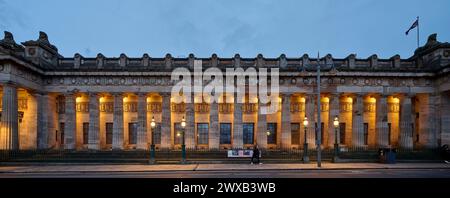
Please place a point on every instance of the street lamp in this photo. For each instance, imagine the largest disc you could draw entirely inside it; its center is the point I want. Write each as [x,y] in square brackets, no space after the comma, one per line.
[305,144]
[336,145]
[183,146]
[152,146]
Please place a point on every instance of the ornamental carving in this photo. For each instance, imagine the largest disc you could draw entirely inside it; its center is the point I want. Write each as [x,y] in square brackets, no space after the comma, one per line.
[225,108]
[178,108]
[130,107]
[346,106]
[369,107]
[297,107]
[202,108]
[393,107]
[324,107]
[82,107]
[107,107]
[154,107]
[249,108]
[22,104]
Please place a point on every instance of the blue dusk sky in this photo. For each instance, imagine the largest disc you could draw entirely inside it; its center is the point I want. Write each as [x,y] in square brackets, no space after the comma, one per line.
[226,27]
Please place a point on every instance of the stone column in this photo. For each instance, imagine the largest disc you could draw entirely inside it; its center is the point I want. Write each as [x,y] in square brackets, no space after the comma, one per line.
[358,122]
[334,112]
[190,125]
[445,118]
[117,142]
[311,128]
[286,121]
[10,123]
[142,121]
[428,132]
[238,141]
[262,128]
[381,127]
[406,129]
[214,134]
[166,121]
[94,120]
[45,120]
[70,125]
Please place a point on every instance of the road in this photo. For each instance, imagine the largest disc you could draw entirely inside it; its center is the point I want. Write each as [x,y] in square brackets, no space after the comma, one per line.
[356,173]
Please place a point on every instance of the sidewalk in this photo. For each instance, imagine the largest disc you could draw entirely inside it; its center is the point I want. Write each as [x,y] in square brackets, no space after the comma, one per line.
[54,168]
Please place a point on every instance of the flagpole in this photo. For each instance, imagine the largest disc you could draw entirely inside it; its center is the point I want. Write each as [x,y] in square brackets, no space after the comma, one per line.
[418,31]
[319,122]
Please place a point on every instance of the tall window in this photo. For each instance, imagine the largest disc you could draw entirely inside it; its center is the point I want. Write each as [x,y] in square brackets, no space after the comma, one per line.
[109,132]
[248,132]
[61,128]
[178,133]
[85,132]
[366,133]
[225,133]
[272,137]
[342,133]
[156,132]
[321,132]
[132,133]
[295,133]
[202,133]
[389,133]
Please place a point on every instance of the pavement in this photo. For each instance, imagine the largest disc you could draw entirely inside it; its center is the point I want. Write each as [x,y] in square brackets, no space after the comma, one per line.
[86,168]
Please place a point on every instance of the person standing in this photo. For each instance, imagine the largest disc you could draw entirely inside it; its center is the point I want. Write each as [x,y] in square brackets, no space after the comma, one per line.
[256,155]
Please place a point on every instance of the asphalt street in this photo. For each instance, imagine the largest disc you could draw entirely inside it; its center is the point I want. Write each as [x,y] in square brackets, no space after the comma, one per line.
[348,173]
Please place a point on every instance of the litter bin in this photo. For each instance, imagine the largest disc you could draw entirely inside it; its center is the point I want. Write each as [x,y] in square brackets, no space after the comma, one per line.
[387,155]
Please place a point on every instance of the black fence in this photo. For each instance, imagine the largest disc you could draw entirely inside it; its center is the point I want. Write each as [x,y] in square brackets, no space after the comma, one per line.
[209,156]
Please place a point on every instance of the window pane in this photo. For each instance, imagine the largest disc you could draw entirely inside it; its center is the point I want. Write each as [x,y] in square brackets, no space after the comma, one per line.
[248,133]
[342,133]
[109,131]
[85,132]
[225,133]
[295,133]
[389,133]
[321,133]
[61,128]
[272,137]
[132,133]
[202,132]
[178,133]
[366,133]
[156,132]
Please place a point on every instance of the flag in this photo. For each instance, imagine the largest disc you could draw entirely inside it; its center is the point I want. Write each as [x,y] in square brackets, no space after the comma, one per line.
[415,24]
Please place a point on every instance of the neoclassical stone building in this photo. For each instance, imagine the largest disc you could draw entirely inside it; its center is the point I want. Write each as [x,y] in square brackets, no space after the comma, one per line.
[100,103]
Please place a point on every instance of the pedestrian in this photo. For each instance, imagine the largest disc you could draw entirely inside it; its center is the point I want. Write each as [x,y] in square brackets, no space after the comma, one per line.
[256,155]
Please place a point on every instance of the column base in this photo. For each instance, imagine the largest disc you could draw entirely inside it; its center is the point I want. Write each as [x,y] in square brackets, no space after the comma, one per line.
[335,159]
[93,147]
[305,159]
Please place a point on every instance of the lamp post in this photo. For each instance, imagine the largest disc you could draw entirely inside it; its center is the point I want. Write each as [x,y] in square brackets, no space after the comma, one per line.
[305,144]
[336,145]
[183,146]
[152,146]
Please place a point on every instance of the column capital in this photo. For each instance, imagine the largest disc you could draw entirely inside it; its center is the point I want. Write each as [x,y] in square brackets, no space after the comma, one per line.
[117,94]
[359,94]
[94,94]
[283,95]
[335,95]
[408,95]
[165,94]
[142,94]
[383,95]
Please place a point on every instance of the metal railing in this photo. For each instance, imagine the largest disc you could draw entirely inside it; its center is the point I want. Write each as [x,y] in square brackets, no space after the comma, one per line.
[166,155]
